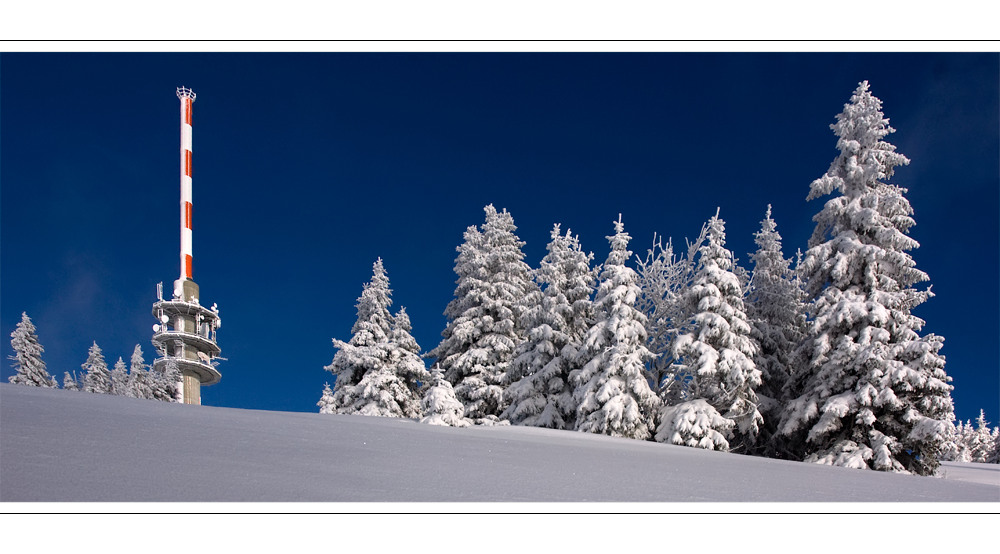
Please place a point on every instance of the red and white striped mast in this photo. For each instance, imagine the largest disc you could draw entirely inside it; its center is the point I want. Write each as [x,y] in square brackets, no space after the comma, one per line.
[184,335]
[186,97]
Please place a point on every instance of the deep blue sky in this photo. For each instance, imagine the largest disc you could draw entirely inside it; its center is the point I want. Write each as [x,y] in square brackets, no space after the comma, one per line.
[308,167]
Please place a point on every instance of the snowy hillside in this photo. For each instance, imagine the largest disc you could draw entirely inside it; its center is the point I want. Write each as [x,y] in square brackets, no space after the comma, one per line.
[58,445]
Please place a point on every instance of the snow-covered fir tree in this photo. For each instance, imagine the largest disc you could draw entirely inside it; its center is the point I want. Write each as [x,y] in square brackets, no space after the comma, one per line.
[970,442]
[979,441]
[556,320]
[694,423]
[28,357]
[382,393]
[367,349]
[119,378]
[717,356]
[777,321]
[404,354]
[965,435]
[968,436]
[70,382]
[483,319]
[379,371]
[394,390]
[612,394]
[994,457]
[96,376]
[326,403]
[954,448]
[164,383]
[663,277]
[869,392]
[138,377]
[440,406]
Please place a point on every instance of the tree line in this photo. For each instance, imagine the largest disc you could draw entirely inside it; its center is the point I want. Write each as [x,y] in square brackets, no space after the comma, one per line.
[815,358]
[136,380]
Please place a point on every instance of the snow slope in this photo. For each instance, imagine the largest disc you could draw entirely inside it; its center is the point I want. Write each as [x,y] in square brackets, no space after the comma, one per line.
[58,445]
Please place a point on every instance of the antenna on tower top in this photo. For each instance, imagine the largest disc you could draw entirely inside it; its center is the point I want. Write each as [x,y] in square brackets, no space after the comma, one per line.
[185,93]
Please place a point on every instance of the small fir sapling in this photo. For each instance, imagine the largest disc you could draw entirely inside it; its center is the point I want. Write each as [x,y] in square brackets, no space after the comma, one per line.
[440,407]
[326,403]
[70,382]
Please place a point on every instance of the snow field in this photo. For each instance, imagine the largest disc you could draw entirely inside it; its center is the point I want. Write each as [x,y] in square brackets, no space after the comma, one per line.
[65,446]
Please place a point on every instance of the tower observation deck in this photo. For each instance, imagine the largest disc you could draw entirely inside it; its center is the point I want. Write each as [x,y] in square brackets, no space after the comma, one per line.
[184,335]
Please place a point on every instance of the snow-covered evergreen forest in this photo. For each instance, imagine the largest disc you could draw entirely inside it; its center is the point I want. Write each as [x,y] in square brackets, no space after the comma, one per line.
[813,356]
[136,380]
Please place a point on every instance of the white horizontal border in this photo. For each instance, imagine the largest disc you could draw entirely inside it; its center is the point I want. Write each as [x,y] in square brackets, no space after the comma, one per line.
[251,46]
[502,19]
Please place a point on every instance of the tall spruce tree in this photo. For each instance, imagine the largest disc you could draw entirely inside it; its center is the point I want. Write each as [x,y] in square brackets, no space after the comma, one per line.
[777,322]
[870,392]
[483,327]
[97,377]
[367,351]
[611,391]
[717,355]
[556,320]
[27,357]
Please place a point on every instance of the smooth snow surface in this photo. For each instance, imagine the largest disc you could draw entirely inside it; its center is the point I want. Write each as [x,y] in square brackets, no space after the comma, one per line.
[988,474]
[58,445]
